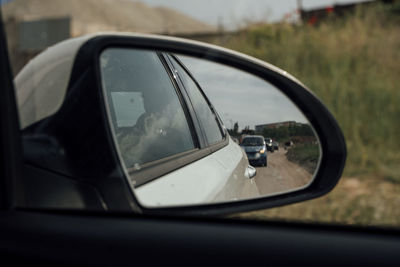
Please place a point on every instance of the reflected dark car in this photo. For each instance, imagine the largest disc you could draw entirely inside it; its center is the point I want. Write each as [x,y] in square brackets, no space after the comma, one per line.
[268,143]
[256,149]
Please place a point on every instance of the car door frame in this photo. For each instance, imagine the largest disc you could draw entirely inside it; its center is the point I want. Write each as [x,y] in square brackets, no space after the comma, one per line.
[225,136]
[71,237]
[10,140]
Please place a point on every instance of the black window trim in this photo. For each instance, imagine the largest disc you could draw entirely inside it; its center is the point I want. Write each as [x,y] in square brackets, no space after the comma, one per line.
[225,135]
[187,108]
[217,118]
[11,189]
[188,102]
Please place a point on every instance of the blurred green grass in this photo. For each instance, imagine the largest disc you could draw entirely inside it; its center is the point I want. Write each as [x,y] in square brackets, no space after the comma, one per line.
[368,202]
[305,155]
[353,65]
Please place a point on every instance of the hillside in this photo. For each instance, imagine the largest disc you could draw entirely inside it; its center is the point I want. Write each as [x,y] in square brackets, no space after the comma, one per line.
[104,15]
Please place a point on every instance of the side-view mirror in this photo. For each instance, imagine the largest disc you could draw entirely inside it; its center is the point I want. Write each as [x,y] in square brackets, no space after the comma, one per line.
[250,172]
[151,124]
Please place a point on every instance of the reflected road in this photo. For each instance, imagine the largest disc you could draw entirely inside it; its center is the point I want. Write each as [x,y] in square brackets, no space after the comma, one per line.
[280,175]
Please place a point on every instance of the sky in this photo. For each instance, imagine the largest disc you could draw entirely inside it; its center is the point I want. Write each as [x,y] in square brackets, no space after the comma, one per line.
[241,97]
[234,13]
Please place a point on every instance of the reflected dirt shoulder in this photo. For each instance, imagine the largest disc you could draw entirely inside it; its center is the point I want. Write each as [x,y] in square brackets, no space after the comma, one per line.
[281,175]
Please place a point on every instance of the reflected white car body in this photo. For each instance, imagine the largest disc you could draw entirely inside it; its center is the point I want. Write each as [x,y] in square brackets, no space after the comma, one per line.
[223,177]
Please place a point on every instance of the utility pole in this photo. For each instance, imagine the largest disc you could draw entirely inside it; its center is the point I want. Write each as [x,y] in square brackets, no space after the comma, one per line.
[299,5]
[300,9]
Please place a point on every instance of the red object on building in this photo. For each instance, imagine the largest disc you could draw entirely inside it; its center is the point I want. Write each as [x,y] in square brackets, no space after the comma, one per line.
[312,20]
[330,9]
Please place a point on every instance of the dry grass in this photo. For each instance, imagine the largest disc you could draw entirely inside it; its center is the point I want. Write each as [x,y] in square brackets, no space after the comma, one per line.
[362,201]
[353,65]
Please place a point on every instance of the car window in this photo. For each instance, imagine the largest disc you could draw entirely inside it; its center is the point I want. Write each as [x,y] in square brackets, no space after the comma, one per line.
[147,115]
[206,116]
[252,141]
[128,107]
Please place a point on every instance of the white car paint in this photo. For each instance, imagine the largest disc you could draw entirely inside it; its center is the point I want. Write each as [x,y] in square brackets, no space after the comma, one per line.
[46,74]
[220,176]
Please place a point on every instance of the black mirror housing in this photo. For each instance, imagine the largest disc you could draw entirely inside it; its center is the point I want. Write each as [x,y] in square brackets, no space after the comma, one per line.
[82,129]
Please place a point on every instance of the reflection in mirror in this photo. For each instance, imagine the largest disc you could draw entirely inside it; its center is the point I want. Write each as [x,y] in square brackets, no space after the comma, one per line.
[191,131]
[249,106]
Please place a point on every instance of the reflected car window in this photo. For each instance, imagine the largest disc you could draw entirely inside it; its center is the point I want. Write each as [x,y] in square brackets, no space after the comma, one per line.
[148,119]
[253,141]
[206,116]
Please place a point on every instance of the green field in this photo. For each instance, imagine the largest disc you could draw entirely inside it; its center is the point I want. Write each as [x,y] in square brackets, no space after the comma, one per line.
[353,65]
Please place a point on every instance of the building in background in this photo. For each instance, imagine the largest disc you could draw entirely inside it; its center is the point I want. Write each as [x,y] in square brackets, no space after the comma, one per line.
[317,15]
[259,128]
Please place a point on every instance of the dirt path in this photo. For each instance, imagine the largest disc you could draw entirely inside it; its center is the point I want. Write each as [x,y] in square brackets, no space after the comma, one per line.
[280,175]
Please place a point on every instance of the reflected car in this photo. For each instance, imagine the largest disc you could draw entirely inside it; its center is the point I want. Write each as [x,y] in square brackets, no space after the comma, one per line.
[256,149]
[268,142]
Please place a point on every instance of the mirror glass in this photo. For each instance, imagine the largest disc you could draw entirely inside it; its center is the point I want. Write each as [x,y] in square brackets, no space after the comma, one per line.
[190,131]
